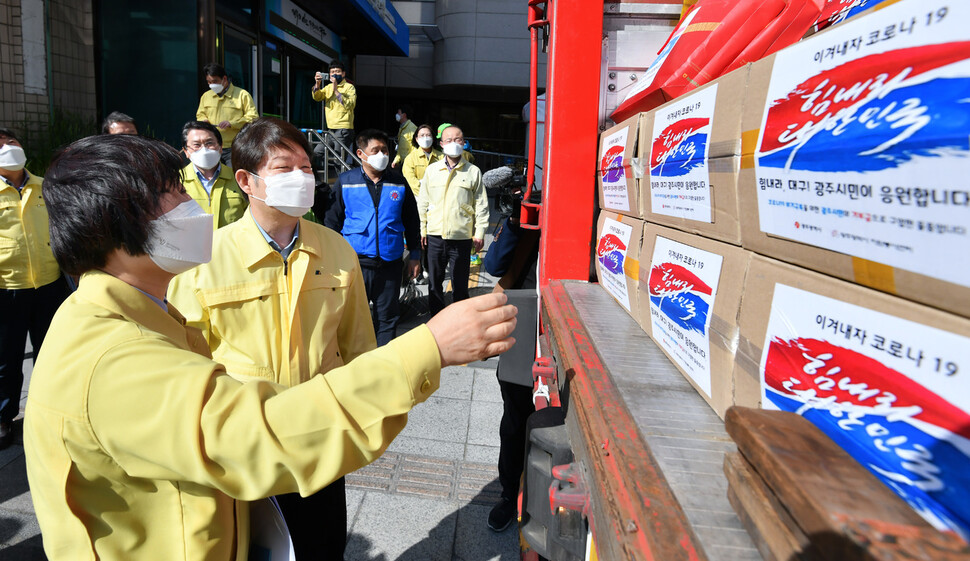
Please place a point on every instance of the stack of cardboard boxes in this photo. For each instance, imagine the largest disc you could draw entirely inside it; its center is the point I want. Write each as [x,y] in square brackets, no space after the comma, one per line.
[794,235]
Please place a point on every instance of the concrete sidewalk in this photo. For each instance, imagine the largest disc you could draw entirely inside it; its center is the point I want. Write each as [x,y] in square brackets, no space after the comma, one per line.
[427,498]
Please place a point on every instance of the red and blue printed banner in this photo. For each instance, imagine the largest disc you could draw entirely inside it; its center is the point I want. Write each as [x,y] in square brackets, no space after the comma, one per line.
[614,170]
[682,288]
[863,147]
[611,251]
[679,174]
[893,393]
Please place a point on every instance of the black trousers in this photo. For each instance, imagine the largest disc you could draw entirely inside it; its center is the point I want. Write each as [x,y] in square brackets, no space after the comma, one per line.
[441,254]
[516,407]
[23,311]
[318,523]
[383,286]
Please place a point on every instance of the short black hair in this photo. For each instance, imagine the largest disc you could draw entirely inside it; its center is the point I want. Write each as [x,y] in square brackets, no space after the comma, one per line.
[102,193]
[414,138]
[406,109]
[365,136]
[4,131]
[215,70]
[199,126]
[338,65]
[251,146]
[115,117]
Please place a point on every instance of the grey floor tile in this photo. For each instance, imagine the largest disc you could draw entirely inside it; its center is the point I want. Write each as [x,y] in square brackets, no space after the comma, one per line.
[456,382]
[428,447]
[485,420]
[481,454]
[486,386]
[439,419]
[400,528]
[475,542]
[14,493]
[19,538]
[354,499]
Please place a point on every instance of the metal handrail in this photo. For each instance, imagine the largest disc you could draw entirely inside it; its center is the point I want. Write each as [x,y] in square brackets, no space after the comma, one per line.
[529,218]
[334,156]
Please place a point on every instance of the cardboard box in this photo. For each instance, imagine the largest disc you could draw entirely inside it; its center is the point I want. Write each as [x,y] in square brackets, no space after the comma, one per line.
[855,156]
[887,379]
[690,294]
[617,257]
[692,149]
[616,180]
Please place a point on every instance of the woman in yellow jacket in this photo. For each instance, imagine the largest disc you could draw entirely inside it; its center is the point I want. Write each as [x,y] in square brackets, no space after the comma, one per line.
[138,445]
[31,285]
[418,160]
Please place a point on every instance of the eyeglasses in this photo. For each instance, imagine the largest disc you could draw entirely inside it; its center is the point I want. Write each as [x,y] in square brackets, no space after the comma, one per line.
[457,139]
[211,145]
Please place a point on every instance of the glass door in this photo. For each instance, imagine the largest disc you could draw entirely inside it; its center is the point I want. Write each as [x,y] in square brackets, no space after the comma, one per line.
[304,112]
[238,55]
[272,101]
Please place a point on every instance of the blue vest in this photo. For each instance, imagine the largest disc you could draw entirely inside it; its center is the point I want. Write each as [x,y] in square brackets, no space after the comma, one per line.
[374,232]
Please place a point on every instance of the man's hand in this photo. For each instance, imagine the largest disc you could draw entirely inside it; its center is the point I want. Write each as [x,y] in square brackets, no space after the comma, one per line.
[225,125]
[424,242]
[478,243]
[473,329]
[319,78]
[414,269]
[393,165]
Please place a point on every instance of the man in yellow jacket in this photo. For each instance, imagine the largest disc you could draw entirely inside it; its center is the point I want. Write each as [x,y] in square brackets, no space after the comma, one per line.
[405,134]
[225,105]
[139,446]
[283,299]
[453,208]
[208,181]
[339,99]
[31,285]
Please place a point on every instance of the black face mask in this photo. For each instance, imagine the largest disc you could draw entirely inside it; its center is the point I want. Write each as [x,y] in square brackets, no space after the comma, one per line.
[337,78]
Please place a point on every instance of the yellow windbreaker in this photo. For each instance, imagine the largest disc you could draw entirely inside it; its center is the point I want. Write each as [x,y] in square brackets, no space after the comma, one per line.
[404,135]
[415,165]
[138,445]
[339,115]
[26,260]
[235,106]
[453,203]
[227,204]
[266,319]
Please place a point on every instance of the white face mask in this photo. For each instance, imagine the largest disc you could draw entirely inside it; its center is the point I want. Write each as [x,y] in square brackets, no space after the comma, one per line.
[182,238]
[205,158]
[453,149]
[425,141]
[290,193]
[397,117]
[216,88]
[12,157]
[378,161]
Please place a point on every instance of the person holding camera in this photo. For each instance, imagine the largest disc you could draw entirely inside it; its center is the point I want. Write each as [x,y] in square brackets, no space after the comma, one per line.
[339,99]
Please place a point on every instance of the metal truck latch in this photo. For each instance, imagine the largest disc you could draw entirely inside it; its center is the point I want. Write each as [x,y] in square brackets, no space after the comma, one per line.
[545,385]
[568,490]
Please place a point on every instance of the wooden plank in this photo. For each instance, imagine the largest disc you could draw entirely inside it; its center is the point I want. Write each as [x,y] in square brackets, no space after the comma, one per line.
[775,534]
[838,504]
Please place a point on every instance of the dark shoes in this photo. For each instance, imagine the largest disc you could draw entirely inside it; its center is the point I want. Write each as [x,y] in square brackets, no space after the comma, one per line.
[6,435]
[502,515]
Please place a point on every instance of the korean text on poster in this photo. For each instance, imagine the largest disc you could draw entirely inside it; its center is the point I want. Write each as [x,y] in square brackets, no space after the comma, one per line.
[611,251]
[863,148]
[614,170]
[678,157]
[893,393]
[683,286]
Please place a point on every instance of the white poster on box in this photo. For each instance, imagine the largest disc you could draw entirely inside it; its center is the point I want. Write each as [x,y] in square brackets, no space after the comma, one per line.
[614,170]
[611,251]
[864,147]
[683,286]
[893,393]
[678,157]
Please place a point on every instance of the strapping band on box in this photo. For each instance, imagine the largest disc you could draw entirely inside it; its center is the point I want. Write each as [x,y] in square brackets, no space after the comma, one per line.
[749,143]
[748,357]
[639,167]
[631,267]
[725,147]
[724,334]
[724,164]
[874,275]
